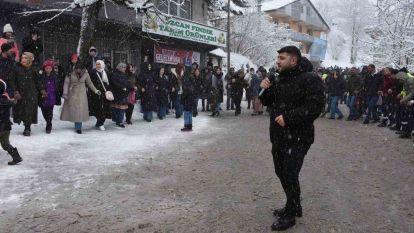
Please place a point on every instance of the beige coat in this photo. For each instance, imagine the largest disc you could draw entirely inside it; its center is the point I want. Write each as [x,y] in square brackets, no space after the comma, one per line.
[75,107]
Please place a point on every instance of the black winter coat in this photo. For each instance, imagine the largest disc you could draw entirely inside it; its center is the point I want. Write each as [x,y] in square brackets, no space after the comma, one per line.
[29,84]
[33,46]
[146,80]
[120,87]
[5,105]
[336,86]
[238,86]
[163,87]
[299,97]
[188,96]
[373,84]
[99,106]
[6,72]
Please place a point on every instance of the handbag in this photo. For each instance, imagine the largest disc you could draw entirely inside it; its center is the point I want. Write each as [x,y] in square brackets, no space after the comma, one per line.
[131,97]
[108,94]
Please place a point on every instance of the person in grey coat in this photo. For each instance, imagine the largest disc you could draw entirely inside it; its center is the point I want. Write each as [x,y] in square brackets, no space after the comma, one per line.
[75,108]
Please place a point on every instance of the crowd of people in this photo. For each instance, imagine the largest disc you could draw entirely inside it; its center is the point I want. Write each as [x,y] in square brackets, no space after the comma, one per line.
[385,97]
[89,88]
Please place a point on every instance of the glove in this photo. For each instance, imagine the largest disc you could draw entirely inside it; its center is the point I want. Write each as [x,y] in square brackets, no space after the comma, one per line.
[17,95]
[43,93]
[98,92]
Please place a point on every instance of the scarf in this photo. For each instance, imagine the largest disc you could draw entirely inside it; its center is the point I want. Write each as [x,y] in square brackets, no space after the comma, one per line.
[102,70]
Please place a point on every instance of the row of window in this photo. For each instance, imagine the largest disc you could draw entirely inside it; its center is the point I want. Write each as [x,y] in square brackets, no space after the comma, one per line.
[179,8]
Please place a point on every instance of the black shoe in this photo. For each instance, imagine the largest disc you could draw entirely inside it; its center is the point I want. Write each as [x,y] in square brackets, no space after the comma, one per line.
[217,114]
[195,113]
[283,223]
[365,122]
[26,133]
[213,114]
[48,128]
[395,127]
[48,131]
[129,122]
[340,117]
[383,124]
[405,135]
[16,157]
[79,131]
[281,212]
[120,125]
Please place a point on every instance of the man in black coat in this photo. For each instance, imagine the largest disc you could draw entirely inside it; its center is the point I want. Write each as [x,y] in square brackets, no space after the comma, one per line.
[296,98]
[33,44]
[373,85]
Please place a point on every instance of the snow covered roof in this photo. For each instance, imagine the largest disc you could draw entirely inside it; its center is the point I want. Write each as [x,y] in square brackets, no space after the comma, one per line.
[275,4]
[218,52]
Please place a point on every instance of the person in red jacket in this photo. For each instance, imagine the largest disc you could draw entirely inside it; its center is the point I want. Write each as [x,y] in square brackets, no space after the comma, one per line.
[8,38]
[388,93]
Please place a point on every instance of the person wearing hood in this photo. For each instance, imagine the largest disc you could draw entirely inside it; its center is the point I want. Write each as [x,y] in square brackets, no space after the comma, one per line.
[146,81]
[33,44]
[8,38]
[28,88]
[187,98]
[75,107]
[99,105]
[5,124]
[297,99]
[121,89]
[50,84]
[162,89]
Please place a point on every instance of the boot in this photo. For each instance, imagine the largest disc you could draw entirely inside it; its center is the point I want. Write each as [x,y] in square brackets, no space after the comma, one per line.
[213,114]
[195,113]
[383,123]
[283,223]
[26,131]
[282,211]
[217,113]
[16,157]
[187,128]
[48,128]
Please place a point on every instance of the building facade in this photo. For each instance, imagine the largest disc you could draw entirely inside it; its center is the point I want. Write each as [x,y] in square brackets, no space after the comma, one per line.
[120,37]
[307,25]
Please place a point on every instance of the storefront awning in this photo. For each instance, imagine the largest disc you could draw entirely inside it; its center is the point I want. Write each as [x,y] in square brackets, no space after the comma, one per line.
[218,52]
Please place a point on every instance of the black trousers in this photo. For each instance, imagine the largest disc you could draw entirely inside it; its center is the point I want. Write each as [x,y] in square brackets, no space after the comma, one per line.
[288,159]
[129,111]
[237,98]
[47,113]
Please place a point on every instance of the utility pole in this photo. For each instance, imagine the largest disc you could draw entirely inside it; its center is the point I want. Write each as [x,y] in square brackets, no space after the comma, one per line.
[228,36]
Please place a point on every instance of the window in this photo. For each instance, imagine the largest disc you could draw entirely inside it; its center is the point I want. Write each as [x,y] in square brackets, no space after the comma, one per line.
[181,10]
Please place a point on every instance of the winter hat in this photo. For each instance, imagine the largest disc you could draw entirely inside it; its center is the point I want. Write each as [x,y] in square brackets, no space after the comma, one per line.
[3,86]
[49,63]
[92,48]
[121,65]
[6,47]
[74,56]
[7,28]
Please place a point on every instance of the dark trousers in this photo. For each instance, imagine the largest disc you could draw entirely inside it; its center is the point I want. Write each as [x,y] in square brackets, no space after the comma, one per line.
[237,98]
[229,102]
[407,118]
[118,115]
[288,160]
[5,142]
[47,112]
[205,104]
[129,111]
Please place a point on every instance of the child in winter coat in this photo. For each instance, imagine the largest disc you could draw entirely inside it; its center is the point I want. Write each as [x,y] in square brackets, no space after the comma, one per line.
[50,84]
[5,124]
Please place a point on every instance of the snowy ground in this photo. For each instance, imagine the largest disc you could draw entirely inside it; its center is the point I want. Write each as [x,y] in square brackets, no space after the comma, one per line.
[150,177]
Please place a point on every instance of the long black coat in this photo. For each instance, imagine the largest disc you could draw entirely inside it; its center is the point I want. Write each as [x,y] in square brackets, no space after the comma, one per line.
[336,86]
[5,105]
[299,97]
[146,80]
[217,94]
[237,86]
[188,96]
[28,84]
[99,106]
[163,87]
[120,87]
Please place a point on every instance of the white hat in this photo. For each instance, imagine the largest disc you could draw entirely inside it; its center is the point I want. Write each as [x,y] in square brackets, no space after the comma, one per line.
[7,28]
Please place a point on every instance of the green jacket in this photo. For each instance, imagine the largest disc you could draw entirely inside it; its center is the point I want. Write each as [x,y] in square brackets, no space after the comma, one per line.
[408,86]
[354,84]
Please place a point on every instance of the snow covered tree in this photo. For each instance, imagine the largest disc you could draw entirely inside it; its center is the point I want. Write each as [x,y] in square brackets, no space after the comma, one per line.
[392,38]
[257,37]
